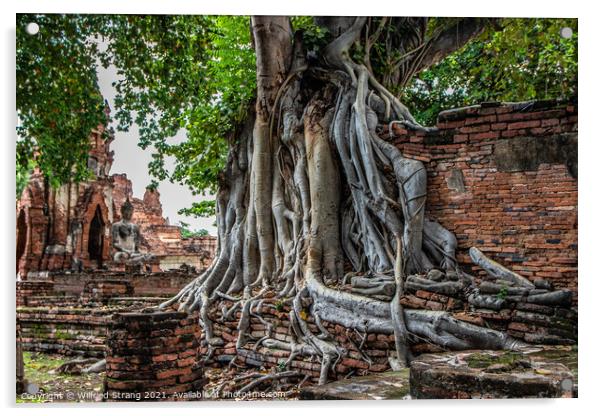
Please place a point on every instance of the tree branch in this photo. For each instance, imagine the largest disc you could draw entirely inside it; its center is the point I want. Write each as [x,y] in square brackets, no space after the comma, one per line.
[453,38]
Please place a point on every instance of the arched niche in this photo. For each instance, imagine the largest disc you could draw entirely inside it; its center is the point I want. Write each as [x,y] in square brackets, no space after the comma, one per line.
[96,238]
[21,236]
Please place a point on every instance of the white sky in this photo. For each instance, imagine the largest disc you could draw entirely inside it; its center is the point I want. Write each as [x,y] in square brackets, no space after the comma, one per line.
[133,161]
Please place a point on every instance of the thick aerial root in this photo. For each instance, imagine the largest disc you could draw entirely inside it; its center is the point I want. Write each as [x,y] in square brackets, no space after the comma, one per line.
[362,153]
[82,365]
[400,330]
[497,270]
[268,377]
[329,352]
[369,315]
[487,302]
[295,349]
[245,319]
[448,288]
[557,298]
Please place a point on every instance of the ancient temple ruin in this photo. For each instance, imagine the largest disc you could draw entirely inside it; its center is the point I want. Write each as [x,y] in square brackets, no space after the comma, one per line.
[69,228]
[502,177]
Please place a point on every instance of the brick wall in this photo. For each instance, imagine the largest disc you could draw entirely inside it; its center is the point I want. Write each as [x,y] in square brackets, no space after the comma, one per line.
[28,290]
[69,331]
[154,356]
[529,322]
[152,284]
[99,293]
[503,179]
[69,313]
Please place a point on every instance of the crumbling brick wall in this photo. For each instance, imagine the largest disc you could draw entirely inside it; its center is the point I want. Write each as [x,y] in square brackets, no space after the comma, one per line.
[154,356]
[151,284]
[529,322]
[64,330]
[28,291]
[503,178]
[56,225]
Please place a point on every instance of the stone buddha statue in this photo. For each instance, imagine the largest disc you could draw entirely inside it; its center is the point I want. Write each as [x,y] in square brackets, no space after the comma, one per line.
[126,238]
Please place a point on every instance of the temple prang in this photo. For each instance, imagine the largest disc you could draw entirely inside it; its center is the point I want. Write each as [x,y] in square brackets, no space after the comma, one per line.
[69,228]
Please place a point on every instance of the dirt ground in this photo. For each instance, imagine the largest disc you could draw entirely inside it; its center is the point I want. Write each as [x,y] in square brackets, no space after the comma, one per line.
[47,385]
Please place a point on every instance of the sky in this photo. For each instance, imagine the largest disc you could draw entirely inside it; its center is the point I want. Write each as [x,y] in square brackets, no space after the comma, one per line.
[133,161]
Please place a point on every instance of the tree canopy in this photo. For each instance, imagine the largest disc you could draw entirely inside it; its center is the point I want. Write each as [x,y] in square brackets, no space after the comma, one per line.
[528,59]
[58,100]
[198,73]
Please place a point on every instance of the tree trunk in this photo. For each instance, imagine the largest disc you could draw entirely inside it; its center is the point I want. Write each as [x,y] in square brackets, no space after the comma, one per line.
[272,36]
[309,190]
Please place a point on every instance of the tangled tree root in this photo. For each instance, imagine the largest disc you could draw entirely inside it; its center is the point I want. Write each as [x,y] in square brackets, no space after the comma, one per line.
[82,365]
[243,384]
[310,189]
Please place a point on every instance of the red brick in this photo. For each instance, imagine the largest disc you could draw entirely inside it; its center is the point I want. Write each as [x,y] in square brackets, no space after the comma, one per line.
[524,124]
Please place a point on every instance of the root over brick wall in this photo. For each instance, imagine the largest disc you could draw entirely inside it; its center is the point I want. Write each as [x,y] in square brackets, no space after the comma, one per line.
[503,178]
[369,352]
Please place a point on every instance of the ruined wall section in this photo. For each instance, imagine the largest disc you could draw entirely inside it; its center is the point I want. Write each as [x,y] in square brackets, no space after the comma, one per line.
[55,230]
[154,356]
[503,178]
[160,237]
[69,227]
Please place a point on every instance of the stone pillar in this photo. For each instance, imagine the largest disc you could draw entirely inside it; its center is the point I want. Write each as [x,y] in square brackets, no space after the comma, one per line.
[154,356]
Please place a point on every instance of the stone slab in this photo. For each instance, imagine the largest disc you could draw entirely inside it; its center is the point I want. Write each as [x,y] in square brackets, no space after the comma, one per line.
[531,373]
[392,385]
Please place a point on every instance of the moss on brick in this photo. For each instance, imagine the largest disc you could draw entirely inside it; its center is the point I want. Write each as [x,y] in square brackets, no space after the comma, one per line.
[480,360]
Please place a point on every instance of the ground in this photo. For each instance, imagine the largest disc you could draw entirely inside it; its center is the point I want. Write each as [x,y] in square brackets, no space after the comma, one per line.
[40,370]
[224,376]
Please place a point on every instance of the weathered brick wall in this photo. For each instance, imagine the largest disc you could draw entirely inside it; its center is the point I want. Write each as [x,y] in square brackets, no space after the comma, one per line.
[503,179]
[529,322]
[99,293]
[28,290]
[72,289]
[69,331]
[154,356]
[144,284]
[69,313]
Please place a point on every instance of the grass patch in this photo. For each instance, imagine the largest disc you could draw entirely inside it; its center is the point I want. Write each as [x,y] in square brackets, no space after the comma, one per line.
[40,369]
